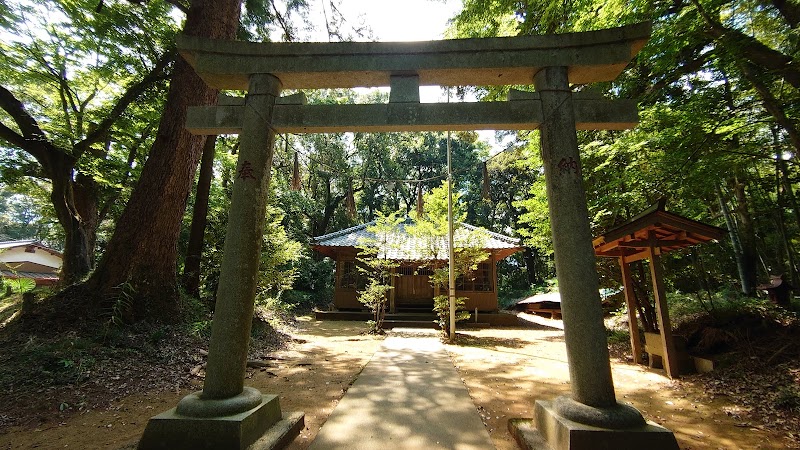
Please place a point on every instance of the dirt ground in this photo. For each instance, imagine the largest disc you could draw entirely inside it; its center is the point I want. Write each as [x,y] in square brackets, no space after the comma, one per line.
[505,370]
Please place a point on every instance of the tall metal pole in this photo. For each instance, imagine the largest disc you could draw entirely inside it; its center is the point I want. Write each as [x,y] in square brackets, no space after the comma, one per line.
[451,291]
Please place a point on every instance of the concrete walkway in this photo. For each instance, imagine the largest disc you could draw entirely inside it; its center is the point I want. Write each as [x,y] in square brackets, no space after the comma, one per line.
[409,396]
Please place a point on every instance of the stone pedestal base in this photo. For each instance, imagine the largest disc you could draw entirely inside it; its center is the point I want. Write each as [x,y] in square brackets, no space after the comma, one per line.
[262,427]
[551,431]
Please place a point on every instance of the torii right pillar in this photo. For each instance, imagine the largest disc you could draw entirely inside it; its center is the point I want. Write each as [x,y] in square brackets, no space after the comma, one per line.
[590,418]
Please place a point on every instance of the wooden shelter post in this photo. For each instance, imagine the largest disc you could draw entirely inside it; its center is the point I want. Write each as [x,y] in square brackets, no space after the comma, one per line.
[650,234]
[664,325]
[393,291]
[630,302]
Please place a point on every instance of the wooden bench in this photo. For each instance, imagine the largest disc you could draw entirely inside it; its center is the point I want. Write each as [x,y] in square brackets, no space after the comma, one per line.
[654,347]
[537,308]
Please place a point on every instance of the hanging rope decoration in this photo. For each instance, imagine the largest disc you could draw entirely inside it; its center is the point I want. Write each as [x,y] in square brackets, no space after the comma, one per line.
[296,173]
[485,187]
[420,201]
[350,201]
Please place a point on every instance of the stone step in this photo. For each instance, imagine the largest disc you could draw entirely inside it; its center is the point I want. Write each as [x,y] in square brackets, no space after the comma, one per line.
[389,324]
[494,319]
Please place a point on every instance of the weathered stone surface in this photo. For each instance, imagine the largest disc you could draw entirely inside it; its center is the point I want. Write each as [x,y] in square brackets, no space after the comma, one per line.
[590,56]
[617,416]
[550,431]
[193,405]
[590,114]
[233,315]
[281,434]
[171,430]
[404,89]
[584,333]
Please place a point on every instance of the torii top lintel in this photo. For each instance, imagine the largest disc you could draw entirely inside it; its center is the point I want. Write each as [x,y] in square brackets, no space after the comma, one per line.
[590,56]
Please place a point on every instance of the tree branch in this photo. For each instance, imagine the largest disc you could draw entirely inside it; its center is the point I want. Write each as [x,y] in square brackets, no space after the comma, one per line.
[789,10]
[751,49]
[157,73]
[132,152]
[32,138]
[12,137]
[287,30]
[183,8]
[772,105]
[688,67]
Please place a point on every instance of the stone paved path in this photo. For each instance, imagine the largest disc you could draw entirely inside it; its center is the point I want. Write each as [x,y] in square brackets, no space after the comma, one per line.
[409,396]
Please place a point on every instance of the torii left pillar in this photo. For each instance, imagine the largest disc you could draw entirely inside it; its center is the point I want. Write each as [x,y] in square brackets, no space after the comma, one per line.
[226,414]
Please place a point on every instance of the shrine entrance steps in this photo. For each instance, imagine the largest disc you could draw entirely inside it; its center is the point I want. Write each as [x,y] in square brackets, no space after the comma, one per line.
[422,319]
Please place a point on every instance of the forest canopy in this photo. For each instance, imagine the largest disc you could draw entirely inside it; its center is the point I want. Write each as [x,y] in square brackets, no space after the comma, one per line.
[85,103]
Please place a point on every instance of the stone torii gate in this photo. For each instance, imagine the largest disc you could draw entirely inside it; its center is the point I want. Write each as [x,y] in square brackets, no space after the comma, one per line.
[225,414]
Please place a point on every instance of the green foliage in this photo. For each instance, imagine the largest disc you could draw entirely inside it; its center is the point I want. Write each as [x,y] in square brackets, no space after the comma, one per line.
[281,257]
[261,20]
[62,361]
[25,212]
[270,315]
[725,306]
[431,228]
[89,86]
[121,303]
[378,266]
[279,254]
[712,128]
[788,397]
[441,306]
[20,285]
[618,336]
[375,297]
[313,287]
[192,309]
[537,218]
[201,329]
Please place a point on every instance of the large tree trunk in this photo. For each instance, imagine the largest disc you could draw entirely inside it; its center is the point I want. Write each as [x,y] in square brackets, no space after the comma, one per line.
[785,198]
[733,233]
[788,191]
[194,252]
[142,254]
[75,204]
[531,257]
[647,311]
[747,238]
[789,10]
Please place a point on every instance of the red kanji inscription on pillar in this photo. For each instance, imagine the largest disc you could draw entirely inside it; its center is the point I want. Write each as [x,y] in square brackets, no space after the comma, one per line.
[568,165]
[246,171]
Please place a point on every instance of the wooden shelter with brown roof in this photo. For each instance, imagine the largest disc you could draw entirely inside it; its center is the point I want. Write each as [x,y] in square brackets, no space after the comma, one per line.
[649,235]
[412,288]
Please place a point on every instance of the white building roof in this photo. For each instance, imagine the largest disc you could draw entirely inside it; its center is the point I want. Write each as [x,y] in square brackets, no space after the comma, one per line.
[27,243]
